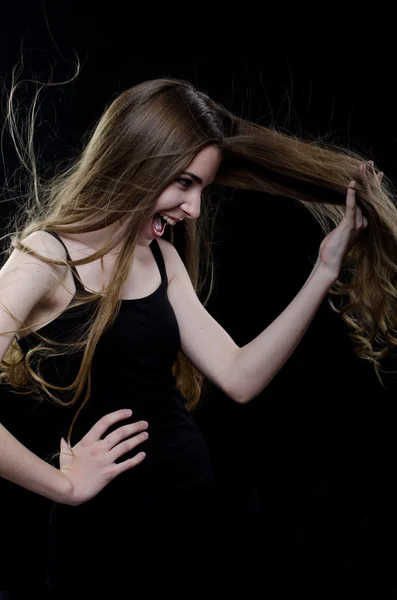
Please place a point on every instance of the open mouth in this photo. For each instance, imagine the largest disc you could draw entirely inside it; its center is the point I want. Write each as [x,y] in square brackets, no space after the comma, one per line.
[159,223]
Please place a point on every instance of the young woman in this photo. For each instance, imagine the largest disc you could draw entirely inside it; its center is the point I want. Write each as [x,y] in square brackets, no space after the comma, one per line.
[127,330]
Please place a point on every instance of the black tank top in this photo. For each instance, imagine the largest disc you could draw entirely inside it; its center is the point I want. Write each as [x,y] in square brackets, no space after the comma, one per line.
[131,368]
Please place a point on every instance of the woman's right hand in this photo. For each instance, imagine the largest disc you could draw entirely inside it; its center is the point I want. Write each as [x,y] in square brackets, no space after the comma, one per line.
[90,464]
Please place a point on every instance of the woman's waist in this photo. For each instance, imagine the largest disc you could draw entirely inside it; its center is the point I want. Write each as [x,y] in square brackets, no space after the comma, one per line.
[165,413]
[174,468]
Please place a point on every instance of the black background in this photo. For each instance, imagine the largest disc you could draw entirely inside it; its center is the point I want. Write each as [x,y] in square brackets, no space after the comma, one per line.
[305,471]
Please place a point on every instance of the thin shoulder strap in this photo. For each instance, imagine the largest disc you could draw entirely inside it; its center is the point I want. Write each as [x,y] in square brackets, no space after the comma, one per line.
[77,282]
[158,257]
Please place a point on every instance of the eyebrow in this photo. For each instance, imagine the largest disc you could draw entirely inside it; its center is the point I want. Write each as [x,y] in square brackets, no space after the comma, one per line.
[193,176]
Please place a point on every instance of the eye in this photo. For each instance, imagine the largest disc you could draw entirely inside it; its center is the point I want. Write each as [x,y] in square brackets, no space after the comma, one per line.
[185,182]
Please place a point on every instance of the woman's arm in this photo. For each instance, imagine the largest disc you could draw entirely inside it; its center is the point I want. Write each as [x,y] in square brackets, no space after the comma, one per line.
[259,361]
[242,373]
[84,469]
[90,465]
[19,465]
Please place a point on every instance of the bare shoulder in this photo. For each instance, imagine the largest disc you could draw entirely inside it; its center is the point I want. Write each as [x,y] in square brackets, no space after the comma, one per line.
[26,283]
[20,262]
[173,261]
[45,244]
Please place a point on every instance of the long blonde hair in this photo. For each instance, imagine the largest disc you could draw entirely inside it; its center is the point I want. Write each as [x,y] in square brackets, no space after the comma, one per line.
[143,141]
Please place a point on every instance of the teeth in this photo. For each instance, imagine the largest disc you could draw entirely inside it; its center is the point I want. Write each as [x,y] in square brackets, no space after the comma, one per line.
[168,219]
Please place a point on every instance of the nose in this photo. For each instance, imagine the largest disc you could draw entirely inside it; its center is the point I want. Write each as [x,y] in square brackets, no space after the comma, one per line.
[191,207]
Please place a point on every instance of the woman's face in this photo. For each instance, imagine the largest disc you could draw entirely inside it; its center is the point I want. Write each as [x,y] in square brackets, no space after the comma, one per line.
[182,198]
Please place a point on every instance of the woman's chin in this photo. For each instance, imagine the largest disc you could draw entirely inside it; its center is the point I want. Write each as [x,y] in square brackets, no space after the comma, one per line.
[145,238]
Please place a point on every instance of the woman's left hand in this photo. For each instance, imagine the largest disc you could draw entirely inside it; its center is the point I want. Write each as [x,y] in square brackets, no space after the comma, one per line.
[335,247]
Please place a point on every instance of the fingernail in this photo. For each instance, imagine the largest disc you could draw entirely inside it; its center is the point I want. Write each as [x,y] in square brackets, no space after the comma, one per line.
[128,411]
